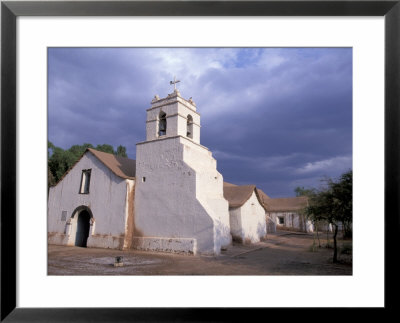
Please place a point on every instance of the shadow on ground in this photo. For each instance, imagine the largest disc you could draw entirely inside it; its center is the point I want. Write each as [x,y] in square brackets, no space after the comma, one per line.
[282,253]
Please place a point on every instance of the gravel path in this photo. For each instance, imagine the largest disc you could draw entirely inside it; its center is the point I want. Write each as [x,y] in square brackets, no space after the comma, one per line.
[283,253]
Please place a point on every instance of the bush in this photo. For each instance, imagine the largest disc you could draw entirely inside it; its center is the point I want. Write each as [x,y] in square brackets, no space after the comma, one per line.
[346,249]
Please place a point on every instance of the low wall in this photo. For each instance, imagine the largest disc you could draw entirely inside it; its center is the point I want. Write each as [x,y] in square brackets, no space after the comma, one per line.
[94,241]
[105,241]
[173,245]
[57,238]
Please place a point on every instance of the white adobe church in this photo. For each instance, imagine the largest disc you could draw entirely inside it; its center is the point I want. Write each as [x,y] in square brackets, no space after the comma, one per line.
[171,199]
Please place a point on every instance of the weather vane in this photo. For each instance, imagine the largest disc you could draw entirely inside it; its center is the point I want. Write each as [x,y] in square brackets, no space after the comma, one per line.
[174,82]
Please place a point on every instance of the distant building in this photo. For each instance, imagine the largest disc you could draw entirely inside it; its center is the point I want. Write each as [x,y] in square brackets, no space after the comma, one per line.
[286,213]
[270,223]
[246,213]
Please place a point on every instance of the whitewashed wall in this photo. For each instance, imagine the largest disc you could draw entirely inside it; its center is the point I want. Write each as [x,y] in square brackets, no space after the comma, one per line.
[291,220]
[106,200]
[179,194]
[176,110]
[248,221]
[209,190]
[235,221]
[271,225]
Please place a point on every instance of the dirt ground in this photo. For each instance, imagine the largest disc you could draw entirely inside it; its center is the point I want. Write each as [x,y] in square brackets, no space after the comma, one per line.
[282,253]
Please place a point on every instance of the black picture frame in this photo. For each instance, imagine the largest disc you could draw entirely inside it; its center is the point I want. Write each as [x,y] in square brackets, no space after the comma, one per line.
[10,10]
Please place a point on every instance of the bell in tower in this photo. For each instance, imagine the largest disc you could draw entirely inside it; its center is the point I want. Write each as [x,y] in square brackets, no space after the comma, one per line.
[162,124]
[173,116]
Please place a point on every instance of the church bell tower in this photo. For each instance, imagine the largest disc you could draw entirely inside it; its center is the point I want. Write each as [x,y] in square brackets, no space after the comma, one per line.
[172,116]
[179,202]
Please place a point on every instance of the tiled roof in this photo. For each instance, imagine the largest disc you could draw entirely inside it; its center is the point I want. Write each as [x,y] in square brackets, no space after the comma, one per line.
[237,195]
[286,204]
[264,198]
[120,166]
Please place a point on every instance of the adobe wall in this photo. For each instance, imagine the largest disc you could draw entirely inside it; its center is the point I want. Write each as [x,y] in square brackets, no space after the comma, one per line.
[177,110]
[106,200]
[248,221]
[292,220]
[176,194]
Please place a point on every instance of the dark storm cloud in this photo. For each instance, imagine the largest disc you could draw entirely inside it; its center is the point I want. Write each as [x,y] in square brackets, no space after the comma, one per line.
[278,118]
[297,123]
[93,95]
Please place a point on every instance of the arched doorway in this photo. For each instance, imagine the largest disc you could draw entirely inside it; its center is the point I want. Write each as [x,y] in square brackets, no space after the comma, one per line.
[82,229]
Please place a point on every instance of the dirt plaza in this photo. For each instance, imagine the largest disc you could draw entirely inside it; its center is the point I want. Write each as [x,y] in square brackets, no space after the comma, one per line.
[282,253]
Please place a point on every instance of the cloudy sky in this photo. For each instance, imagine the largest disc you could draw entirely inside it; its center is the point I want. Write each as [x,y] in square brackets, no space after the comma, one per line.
[274,117]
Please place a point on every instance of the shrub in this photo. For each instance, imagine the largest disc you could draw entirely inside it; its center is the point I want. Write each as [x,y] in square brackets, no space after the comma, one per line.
[346,249]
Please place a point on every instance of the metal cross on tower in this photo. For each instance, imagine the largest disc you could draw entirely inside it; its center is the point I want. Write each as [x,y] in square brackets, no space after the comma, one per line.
[174,82]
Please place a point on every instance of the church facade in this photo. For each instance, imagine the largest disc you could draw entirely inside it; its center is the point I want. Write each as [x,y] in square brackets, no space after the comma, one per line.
[179,192]
[171,199]
[92,205]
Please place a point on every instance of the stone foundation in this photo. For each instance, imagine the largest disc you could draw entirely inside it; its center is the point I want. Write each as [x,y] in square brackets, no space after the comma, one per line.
[57,238]
[174,245]
[94,241]
[105,241]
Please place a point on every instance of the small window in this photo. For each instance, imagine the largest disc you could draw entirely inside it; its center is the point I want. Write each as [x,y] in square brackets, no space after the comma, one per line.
[64,216]
[189,127]
[162,124]
[85,181]
[143,179]
[281,220]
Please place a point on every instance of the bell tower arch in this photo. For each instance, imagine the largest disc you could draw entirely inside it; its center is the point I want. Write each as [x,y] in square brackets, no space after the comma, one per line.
[172,116]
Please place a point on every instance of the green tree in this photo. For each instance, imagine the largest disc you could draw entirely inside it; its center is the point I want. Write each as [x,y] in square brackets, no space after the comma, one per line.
[342,191]
[78,150]
[50,178]
[106,148]
[314,212]
[121,151]
[50,148]
[301,191]
[310,193]
[60,160]
[333,204]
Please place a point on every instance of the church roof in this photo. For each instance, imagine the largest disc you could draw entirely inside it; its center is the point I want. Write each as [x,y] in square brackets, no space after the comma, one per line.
[264,198]
[226,184]
[120,166]
[286,204]
[237,195]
